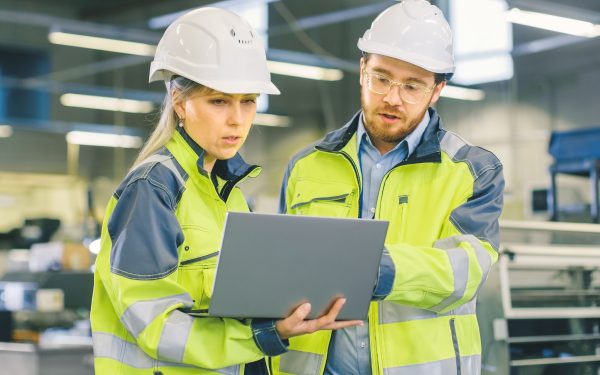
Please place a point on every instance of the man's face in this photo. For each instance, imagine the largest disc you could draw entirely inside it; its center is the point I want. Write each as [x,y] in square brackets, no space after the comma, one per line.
[388,119]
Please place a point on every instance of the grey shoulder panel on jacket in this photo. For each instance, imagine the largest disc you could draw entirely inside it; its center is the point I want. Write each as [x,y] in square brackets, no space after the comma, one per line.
[479,159]
[480,213]
[160,169]
[143,228]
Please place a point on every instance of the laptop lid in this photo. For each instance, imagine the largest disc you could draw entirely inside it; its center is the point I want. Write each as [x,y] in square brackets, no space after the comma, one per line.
[269,264]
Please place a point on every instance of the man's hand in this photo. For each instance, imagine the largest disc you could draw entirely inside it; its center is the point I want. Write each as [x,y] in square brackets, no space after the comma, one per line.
[295,325]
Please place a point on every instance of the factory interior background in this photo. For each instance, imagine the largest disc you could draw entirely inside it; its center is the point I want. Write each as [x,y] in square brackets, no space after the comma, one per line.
[525,89]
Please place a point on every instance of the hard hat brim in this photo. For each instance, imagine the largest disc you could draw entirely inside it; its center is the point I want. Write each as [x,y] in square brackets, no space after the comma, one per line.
[369,46]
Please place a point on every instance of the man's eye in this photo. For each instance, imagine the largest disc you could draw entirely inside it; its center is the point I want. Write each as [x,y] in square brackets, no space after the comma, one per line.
[383,80]
[412,87]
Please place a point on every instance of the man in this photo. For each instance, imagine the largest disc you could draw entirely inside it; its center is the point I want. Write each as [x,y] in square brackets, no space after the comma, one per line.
[442,197]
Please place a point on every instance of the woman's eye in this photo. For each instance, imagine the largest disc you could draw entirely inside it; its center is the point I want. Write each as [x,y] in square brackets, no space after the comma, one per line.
[218,101]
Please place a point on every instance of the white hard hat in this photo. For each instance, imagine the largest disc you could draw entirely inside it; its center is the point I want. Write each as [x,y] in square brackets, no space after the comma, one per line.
[215,48]
[413,31]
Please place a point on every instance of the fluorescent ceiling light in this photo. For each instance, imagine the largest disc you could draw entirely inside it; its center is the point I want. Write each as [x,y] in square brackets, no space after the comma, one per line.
[5,131]
[305,71]
[106,103]
[267,119]
[496,67]
[462,93]
[103,44]
[144,49]
[237,6]
[554,23]
[103,139]
[481,57]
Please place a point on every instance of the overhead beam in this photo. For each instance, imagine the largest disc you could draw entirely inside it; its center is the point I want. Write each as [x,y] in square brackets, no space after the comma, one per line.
[312,59]
[330,18]
[546,44]
[56,87]
[81,27]
[54,126]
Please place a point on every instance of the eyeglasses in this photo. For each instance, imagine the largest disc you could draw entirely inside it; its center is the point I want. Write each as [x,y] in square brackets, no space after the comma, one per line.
[411,93]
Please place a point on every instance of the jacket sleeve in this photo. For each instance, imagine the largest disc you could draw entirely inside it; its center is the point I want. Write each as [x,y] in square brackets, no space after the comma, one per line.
[451,271]
[139,270]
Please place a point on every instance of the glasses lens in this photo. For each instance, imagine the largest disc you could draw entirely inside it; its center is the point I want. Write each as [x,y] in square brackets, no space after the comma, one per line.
[378,84]
[412,93]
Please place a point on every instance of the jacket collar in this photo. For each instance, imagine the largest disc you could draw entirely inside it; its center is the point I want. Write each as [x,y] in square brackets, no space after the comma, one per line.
[230,170]
[427,150]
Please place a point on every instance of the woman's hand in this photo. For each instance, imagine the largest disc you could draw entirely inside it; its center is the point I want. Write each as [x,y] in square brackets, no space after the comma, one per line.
[295,325]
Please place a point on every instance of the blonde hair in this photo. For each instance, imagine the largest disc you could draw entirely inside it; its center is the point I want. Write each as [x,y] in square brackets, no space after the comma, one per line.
[168,120]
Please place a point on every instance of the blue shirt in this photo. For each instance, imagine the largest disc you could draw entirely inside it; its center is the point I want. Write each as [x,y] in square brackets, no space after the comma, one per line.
[349,351]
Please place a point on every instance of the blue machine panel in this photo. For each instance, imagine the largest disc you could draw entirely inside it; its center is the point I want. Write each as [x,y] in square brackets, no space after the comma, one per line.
[575,144]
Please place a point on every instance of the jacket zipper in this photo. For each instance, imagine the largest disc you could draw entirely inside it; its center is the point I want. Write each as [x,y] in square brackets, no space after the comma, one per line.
[229,185]
[455,345]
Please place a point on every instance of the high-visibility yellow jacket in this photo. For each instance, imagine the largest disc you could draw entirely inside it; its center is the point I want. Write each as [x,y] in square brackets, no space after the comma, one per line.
[155,270]
[443,205]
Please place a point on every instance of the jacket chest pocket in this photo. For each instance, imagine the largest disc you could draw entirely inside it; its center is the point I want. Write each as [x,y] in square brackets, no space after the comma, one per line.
[322,199]
[197,264]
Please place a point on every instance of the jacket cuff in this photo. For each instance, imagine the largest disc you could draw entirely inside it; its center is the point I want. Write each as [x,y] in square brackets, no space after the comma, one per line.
[385,278]
[267,338]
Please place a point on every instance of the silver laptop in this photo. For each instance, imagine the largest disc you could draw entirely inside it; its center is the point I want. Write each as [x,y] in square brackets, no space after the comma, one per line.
[269,264]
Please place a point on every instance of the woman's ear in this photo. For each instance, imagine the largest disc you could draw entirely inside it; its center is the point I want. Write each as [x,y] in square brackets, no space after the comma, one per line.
[178,105]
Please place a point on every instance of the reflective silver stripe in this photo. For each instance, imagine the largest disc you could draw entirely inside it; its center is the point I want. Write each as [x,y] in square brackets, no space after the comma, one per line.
[470,365]
[231,370]
[112,347]
[483,257]
[390,312]
[459,260]
[466,309]
[173,339]
[165,160]
[156,158]
[169,164]
[142,313]
[452,143]
[109,346]
[296,362]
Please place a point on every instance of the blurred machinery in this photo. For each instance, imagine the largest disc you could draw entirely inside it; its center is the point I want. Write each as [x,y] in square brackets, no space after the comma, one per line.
[45,297]
[576,153]
[44,320]
[539,311]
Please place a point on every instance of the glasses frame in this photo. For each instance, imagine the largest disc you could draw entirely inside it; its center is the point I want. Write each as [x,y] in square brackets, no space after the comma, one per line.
[426,90]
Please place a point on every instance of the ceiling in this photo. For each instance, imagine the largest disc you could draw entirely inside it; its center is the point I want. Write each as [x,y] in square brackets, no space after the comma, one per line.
[299,29]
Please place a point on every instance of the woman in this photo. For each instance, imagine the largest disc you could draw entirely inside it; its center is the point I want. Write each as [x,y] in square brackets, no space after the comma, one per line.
[163,226]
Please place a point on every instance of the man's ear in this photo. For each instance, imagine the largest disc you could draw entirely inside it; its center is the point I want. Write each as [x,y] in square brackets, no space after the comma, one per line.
[362,67]
[436,92]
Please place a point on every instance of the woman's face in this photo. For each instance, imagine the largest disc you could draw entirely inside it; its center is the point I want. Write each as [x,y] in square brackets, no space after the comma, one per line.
[217,121]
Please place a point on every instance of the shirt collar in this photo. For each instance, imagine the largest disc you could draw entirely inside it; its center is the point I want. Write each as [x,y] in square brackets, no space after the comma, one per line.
[412,140]
[227,169]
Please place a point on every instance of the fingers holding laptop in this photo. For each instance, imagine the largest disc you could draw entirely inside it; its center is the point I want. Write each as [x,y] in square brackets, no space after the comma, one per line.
[296,325]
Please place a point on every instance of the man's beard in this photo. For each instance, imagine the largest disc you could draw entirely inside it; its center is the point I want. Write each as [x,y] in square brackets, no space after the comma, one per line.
[386,136]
